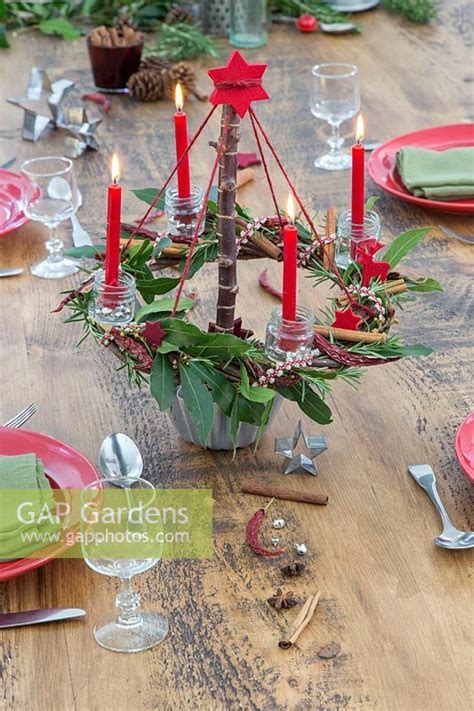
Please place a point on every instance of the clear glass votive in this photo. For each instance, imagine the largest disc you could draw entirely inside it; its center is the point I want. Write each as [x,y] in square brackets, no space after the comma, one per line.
[249,20]
[113,305]
[183,213]
[350,235]
[285,339]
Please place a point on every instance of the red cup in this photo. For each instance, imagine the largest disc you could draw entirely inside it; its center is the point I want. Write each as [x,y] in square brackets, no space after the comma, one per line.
[112,67]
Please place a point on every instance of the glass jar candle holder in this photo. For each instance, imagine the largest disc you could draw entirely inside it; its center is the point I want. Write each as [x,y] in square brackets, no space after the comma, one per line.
[349,236]
[113,305]
[182,213]
[285,339]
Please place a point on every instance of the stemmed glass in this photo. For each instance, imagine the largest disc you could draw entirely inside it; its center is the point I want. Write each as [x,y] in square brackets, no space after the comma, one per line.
[57,201]
[335,97]
[131,630]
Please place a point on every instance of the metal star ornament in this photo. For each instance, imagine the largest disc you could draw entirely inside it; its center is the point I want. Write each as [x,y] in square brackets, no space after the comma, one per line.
[238,84]
[314,445]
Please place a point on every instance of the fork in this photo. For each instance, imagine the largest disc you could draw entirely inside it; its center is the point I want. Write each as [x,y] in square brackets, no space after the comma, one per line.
[450,537]
[22,416]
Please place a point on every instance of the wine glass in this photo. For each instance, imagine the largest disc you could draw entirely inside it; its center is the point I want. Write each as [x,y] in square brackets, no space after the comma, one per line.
[131,630]
[57,201]
[335,97]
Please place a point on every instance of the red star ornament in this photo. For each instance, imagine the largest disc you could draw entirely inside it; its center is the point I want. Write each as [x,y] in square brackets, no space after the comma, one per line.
[372,270]
[238,84]
[346,319]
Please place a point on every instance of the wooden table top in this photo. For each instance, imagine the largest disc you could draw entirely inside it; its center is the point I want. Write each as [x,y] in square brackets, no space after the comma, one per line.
[398,606]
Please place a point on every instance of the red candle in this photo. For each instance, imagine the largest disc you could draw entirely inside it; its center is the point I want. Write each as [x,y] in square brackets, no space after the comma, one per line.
[358,186]
[290,256]
[181,139]
[114,208]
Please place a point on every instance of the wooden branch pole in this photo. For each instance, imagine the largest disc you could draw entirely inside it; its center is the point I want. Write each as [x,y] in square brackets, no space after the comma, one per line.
[227,257]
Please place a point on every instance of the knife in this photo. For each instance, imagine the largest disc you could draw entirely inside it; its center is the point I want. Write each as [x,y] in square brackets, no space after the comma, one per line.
[34,617]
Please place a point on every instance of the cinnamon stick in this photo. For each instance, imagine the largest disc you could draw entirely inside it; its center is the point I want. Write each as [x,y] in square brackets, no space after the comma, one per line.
[302,620]
[328,254]
[278,492]
[397,286]
[343,334]
[245,176]
[265,245]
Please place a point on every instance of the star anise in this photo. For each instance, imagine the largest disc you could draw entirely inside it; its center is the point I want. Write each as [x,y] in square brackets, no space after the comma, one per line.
[293,569]
[282,600]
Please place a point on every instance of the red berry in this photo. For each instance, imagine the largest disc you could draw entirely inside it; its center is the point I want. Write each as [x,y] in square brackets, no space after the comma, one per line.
[307,23]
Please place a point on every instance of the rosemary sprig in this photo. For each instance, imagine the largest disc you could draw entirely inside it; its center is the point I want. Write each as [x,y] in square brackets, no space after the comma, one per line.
[183,41]
[318,9]
[421,11]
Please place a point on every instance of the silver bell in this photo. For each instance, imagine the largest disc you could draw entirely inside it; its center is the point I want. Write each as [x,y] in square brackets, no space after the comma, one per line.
[275,541]
[279,523]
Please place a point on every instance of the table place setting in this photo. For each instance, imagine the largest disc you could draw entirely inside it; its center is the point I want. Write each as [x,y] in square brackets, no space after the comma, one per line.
[204,468]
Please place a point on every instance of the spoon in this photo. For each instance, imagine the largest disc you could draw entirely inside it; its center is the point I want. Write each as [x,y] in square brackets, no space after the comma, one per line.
[451,537]
[59,189]
[120,456]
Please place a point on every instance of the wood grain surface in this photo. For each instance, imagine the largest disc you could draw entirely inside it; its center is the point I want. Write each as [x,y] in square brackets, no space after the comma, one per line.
[399,607]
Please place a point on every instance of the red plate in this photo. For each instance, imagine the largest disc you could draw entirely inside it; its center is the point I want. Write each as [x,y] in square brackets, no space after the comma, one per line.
[383,171]
[464,445]
[65,467]
[14,189]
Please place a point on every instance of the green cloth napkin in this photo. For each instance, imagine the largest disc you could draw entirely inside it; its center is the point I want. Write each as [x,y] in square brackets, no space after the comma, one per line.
[23,472]
[437,175]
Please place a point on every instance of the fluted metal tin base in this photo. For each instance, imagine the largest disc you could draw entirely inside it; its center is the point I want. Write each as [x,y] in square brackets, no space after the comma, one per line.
[219,437]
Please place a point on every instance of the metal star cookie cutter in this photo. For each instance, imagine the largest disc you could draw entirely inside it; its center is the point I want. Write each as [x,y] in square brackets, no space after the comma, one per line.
[43,97]
[314,444]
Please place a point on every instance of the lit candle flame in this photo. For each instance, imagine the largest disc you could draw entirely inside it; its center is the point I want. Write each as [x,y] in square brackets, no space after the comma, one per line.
[360,129]
[115,168]
[290,208]
[178,97]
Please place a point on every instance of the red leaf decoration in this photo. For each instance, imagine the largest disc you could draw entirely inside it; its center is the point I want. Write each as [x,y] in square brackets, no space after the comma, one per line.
[245,160]
[368,246]
[154,333]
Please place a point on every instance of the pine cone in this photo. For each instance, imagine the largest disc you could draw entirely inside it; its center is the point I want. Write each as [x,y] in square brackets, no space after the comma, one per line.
[183,74]
[146,85]
[179,14]
[153,61]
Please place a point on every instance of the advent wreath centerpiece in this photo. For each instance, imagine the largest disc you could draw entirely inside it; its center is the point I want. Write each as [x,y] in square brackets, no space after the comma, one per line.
[221,386]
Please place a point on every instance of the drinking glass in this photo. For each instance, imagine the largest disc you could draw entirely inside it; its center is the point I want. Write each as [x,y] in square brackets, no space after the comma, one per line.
[248,23]
[335,97]
[57,201]
[132,630]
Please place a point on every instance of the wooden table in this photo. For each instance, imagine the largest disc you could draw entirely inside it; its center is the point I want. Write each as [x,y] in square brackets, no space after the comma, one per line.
[398,606]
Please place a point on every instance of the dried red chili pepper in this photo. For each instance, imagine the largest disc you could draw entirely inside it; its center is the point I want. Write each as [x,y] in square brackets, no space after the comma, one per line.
[264,282]
[98,99]
[341,356]
[134,348]
[251,532]
[143,232]
[153,216]
[72,295]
